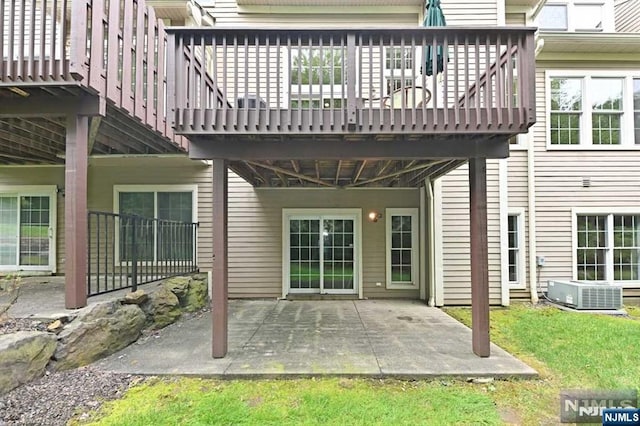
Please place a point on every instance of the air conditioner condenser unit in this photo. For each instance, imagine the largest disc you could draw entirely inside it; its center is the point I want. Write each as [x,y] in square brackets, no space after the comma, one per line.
[585,295]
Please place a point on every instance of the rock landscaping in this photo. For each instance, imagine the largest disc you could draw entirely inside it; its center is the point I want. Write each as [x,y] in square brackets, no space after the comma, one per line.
[94,332]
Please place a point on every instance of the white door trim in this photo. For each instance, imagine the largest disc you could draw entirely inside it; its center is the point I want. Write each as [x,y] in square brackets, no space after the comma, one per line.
[338,213]
[50,191]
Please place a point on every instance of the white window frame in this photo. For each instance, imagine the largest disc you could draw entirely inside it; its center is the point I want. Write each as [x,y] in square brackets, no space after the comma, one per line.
[117,189]
[521,266]
[627,137]
[573,16]
[311,92]
[415,230]
[50,191]
[337,213]
[609,213]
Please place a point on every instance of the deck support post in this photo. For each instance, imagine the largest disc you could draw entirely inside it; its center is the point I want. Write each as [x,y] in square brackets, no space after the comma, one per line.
[75,210]
[479,256]
[219,296]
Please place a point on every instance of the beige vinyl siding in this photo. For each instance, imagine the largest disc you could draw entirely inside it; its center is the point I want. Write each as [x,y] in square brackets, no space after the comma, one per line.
[457,12]
[41,175]
[228,14]
[627,13]
[105,173]
[255,233]
[456,240]
[518,19]
[518,194]
[614,175]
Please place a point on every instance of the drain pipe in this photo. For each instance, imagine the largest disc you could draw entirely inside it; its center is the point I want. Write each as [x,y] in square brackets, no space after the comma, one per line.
[432,246]
[531,195]
[531,181]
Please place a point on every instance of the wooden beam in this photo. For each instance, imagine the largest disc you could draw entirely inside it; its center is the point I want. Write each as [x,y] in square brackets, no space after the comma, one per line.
[276,169]
[93,132]
[335,149]
[75,212]
[390,175]
[357,170]
[37,106]
[338,171]
[285,182]
[479,256]
[220,277]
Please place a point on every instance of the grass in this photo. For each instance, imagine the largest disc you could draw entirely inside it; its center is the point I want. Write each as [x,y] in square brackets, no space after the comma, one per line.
[309,402]
[569,350]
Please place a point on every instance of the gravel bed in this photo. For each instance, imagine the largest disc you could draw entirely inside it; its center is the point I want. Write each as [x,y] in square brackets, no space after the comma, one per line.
[53,399]
[21,324]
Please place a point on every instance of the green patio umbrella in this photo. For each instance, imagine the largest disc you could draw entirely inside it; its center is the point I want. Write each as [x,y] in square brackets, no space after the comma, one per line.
[434,18]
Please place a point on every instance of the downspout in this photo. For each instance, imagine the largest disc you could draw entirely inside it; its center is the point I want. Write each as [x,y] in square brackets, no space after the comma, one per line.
[531,195]
[531,181]
[432,246]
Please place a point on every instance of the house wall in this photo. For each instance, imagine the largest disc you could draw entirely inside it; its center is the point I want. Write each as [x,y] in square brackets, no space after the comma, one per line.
[104,173]
[255,233]
[456,260]
[614,174]
[41,175]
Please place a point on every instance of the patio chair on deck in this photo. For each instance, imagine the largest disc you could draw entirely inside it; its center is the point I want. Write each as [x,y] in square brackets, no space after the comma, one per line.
[396,98]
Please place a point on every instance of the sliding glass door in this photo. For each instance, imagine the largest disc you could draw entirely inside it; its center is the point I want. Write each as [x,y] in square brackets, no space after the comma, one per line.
[26,232]
[321,254]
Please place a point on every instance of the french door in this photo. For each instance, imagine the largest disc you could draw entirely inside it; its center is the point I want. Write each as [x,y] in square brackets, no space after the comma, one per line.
[322,254]
[26,232]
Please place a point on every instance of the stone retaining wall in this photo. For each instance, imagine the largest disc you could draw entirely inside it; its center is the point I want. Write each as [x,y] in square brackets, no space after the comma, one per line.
[97,331]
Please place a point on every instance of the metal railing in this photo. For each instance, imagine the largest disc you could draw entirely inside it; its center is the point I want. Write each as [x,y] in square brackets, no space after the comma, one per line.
[337,81]
[128,250]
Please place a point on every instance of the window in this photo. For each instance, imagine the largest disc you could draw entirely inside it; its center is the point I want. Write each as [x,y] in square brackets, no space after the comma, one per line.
[553,17]
[402,248]
[608,247]
[515,237]
[576,15]
[160,241]
[398,58]
[593,111]
[316,66]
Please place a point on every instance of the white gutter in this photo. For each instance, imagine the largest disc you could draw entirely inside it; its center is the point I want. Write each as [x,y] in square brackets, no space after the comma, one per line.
[432,242]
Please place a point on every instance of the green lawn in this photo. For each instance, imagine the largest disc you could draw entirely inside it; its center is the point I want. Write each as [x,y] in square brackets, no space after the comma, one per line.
[569,350]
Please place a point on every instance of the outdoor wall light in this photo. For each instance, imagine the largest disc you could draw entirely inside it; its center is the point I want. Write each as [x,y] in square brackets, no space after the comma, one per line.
[374,216]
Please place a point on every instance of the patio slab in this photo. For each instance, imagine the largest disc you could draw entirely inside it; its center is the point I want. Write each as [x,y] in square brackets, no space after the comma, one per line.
[278,338]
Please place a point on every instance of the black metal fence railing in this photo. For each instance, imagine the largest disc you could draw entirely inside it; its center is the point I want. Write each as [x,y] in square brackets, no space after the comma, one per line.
[128,250]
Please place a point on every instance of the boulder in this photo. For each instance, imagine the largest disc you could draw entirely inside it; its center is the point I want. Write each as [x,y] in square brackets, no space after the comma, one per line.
[178,286]
[197,296]
[98,331]
[137,297]
[162,308]
[23,357]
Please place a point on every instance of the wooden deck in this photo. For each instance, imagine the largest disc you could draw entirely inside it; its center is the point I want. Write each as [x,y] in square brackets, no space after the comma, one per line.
[96,58]
[349,107]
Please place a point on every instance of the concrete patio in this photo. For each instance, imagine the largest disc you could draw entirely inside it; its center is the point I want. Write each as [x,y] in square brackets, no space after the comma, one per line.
[280,338]
[269,338]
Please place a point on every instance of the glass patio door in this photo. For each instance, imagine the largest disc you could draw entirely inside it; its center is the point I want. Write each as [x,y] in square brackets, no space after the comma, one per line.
[322,255]
[25,232]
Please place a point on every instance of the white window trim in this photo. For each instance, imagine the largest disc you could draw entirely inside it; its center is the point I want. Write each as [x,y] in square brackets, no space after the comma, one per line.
[522,267]
[601,211]
[117,189]
[355,214]
[573,18]
[522,141]
[38,190]
[627,129]
[415,229]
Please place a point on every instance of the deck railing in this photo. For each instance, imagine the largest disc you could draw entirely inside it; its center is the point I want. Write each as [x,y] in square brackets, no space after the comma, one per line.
[128,250]
[112,48]
[350,80]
